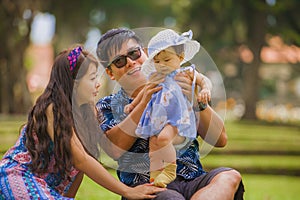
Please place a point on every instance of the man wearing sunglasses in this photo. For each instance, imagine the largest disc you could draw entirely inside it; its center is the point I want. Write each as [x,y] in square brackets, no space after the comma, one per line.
[120,52]
[121,61]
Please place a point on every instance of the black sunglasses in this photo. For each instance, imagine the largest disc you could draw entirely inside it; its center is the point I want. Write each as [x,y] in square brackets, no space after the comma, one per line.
[121,60]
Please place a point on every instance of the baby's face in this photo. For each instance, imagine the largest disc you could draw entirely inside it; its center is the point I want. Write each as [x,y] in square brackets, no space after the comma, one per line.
[169,58]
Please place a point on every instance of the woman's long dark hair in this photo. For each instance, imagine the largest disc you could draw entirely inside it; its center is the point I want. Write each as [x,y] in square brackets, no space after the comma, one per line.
[58,93]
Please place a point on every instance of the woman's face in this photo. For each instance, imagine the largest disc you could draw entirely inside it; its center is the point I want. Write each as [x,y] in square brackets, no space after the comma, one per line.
[87,87]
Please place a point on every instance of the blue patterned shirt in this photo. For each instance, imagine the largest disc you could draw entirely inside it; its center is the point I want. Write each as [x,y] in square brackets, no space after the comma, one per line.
[133,166]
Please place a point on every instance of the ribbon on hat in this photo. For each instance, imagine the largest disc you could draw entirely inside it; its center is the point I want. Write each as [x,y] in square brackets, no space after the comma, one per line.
[184,36]
[73,56]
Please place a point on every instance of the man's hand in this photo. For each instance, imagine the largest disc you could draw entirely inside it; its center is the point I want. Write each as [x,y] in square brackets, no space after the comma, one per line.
[185,81]
[128,108]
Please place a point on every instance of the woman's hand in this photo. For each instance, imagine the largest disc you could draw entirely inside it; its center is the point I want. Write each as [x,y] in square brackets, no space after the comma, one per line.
[145,191]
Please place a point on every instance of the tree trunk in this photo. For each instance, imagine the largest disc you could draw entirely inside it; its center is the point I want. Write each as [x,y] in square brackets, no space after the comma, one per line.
[256,39]
[3,87]
[14,38]
[18,98]
[251,85]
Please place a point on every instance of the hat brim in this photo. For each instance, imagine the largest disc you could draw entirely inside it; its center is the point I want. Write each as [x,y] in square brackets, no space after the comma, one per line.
[191,48]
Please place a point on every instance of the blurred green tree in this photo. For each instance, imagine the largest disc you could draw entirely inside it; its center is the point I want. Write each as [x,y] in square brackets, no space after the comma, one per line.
[75,18]
[223,26]
[220,26]
[16,17]
[73,21]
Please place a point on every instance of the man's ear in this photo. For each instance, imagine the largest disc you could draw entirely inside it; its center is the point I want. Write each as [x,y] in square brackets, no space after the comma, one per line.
[145,49]
[109,73]
[181,56]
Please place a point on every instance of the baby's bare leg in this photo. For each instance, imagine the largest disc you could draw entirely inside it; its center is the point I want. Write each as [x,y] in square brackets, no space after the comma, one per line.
[163,157]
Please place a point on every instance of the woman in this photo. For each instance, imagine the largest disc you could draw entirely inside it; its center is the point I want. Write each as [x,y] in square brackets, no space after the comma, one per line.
[52,153]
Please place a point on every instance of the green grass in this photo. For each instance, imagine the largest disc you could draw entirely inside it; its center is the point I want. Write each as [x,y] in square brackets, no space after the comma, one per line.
[270,187]
[9,130]
[258,187]
[257,137]
[262,153]
[90,190]
[257,161]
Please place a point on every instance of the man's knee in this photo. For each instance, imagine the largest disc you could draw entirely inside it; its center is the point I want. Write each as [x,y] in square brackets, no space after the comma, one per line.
[232,177]
[169,195]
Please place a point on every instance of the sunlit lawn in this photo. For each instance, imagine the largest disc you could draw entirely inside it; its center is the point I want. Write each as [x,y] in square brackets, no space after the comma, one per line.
[252,148]
[258,187]
[91,191]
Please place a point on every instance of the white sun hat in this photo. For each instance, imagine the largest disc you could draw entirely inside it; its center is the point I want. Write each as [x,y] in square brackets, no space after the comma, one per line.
[167,38]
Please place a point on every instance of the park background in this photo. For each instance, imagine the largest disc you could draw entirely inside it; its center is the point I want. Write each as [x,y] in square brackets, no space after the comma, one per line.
[254,43]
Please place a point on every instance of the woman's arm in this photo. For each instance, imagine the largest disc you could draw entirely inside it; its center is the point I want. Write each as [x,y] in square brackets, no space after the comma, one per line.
[94,170]
[75,186]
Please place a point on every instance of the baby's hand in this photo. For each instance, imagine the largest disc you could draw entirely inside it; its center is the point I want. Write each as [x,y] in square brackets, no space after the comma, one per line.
[204,96]
[128,108]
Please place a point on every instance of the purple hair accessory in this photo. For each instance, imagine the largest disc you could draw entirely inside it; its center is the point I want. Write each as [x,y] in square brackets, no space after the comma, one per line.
[73,56]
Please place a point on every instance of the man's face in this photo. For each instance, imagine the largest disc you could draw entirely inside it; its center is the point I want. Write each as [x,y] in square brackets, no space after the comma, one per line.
[130,74]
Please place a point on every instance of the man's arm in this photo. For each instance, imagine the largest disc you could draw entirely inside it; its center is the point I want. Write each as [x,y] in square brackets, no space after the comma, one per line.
[121,137]
[211,128]
[203,81]
[206,87]
[129,107]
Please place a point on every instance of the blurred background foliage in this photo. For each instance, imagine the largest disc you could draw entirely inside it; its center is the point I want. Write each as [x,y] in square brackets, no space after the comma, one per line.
[254,43]
[236,34]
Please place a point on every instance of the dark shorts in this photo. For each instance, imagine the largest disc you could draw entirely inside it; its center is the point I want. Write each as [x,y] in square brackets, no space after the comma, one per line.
[184,189]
